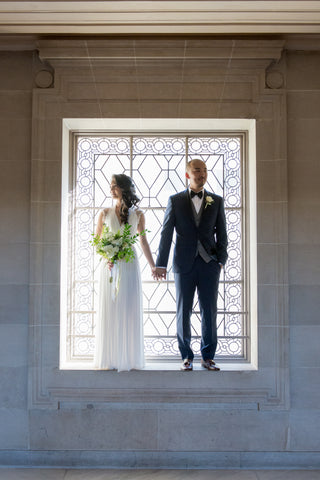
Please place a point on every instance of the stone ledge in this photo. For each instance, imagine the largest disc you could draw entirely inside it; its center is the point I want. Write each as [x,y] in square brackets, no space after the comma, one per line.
[153,459]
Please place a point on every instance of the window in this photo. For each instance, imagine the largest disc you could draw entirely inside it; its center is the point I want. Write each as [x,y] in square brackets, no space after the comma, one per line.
[156,162]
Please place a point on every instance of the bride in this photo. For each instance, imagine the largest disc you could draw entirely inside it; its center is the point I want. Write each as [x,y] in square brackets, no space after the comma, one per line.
[119,326]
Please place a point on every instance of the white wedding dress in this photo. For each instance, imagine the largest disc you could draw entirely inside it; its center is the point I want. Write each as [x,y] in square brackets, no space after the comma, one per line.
[119,325]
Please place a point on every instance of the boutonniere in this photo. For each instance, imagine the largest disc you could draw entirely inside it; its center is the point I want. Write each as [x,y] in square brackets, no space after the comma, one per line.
[209,201]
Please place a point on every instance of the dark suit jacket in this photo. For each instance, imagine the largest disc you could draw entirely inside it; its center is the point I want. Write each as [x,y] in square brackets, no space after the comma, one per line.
[211,232]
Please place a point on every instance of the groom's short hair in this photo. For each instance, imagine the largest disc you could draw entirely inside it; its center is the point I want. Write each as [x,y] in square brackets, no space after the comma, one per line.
[189,164]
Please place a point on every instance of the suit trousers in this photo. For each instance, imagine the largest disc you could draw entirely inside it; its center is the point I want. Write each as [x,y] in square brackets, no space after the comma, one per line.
[203,277]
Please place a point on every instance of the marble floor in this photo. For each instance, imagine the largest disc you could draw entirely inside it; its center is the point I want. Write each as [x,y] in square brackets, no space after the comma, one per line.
[90,474]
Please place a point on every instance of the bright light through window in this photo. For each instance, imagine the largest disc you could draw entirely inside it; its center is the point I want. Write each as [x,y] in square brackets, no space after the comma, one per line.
[157,166]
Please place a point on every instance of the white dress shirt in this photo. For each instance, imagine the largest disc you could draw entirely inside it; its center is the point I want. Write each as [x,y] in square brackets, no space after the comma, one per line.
[197,202]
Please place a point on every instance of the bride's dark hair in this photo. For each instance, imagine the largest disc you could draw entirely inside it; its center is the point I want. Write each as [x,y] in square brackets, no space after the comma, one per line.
[129,197]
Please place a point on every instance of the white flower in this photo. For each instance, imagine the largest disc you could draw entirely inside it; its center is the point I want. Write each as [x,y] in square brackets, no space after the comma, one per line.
[209,201]
[117,241]
[109,236]
[111,251]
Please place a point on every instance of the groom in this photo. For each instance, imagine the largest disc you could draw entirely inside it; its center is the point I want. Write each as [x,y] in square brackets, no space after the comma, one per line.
[200,252]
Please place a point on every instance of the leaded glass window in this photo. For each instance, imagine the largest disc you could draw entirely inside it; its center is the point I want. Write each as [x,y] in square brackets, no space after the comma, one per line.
[157,165]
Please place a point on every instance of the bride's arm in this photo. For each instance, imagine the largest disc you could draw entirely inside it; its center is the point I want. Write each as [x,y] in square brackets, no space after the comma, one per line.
[144,242]
[101,222]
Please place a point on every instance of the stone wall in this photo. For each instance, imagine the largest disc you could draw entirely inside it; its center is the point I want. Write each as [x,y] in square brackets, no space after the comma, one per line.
[16,82]
[157,419]
[303,117]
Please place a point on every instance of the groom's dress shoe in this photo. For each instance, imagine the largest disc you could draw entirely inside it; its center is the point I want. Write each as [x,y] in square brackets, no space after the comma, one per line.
[209,365]
[187,365]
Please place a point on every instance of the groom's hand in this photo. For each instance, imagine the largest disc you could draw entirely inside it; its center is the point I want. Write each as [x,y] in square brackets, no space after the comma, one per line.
[159,273]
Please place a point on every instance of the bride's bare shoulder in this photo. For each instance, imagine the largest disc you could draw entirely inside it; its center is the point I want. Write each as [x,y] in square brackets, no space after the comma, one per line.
[139,212]
[103,214]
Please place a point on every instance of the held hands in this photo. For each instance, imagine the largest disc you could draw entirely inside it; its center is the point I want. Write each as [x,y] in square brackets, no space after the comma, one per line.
[159,273]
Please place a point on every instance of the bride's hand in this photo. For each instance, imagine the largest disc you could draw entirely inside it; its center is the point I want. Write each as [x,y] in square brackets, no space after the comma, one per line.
[153,273]
[110,265]
[159,273]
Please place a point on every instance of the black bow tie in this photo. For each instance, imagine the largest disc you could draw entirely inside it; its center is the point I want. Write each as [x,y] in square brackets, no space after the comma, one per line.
[192,193]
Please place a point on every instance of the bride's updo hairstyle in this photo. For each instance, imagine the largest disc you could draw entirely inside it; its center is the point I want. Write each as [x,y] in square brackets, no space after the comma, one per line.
[129,197]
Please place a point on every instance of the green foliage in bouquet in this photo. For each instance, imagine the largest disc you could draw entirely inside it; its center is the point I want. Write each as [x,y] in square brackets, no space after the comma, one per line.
[115,246]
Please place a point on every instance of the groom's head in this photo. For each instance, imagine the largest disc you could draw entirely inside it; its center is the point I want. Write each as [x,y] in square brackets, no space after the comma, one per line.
[196,173]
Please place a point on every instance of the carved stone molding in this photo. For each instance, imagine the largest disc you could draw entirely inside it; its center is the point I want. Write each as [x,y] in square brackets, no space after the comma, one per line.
[159,17]
[44,79]
[81,70]
[274,79]
[260,52]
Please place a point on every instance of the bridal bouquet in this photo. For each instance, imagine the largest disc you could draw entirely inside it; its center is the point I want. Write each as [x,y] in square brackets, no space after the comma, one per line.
[115,246]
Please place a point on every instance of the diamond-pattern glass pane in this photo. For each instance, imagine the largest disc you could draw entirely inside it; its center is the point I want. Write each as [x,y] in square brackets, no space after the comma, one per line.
[157,166]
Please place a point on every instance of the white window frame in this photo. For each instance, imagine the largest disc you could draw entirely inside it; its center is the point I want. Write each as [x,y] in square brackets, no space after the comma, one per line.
[168,126]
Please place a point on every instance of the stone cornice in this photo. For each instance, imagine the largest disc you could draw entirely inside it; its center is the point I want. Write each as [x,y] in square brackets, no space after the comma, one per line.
[159,17]
[79,44]
[260,51]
